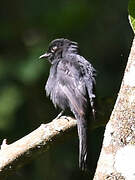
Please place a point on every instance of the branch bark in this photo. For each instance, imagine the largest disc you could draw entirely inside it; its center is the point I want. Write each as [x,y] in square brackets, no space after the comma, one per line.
[117,158]
[17,154]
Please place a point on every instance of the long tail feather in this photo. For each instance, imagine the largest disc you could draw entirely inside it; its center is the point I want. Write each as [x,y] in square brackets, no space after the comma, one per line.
[83,144]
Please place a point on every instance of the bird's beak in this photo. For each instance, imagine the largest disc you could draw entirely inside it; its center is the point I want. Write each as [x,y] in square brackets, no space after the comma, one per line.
[46,55]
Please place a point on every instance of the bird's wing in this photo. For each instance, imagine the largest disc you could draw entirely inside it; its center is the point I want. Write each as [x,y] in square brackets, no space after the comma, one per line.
[89,74]
[70,81]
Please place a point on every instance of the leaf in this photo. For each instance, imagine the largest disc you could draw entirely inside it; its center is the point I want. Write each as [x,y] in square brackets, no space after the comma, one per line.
[131,11]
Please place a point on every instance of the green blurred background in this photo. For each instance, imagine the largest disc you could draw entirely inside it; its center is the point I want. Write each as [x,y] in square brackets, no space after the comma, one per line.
[26,27]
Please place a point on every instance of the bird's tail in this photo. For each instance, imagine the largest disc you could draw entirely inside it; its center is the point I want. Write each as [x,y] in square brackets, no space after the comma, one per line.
[83,144]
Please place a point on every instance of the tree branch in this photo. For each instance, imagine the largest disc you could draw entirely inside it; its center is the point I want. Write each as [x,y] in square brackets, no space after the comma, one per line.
[13,156]
[117,158]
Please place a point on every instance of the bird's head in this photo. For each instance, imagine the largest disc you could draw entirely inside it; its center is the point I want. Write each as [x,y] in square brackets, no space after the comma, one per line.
[58,49]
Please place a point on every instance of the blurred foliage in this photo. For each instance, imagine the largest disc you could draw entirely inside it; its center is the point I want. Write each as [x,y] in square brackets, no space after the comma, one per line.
[104,36]
[10,100]
[30,70]
[131,10]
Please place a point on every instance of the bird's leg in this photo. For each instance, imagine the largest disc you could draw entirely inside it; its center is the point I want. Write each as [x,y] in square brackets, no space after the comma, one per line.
[60,114]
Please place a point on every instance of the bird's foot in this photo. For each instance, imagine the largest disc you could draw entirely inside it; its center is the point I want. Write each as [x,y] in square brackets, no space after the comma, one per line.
[59,115]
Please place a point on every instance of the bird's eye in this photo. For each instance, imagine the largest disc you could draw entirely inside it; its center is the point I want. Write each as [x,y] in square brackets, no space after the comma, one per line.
[53,49]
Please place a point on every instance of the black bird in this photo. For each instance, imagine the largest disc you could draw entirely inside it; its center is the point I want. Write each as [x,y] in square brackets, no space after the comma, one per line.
[71,84]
